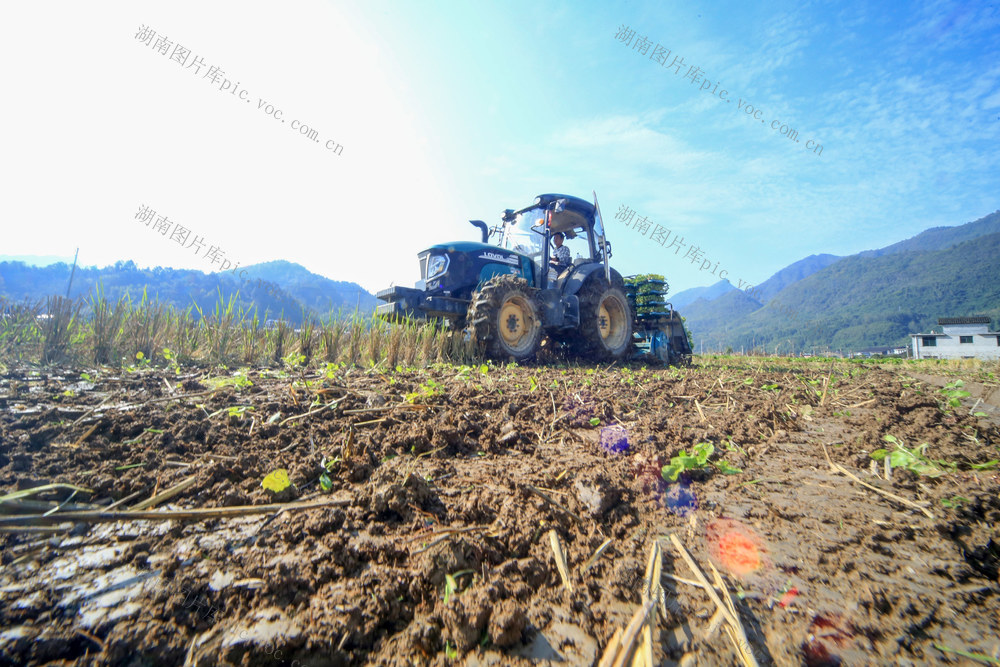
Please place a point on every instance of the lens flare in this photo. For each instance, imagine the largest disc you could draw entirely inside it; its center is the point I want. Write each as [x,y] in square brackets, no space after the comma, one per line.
[679,498]
[614,439]
[735,546]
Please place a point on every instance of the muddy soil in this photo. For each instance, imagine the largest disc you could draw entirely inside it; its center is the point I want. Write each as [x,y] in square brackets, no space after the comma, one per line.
[440,488]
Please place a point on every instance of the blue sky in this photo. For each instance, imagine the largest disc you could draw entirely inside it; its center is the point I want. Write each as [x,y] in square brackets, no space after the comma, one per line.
[448,111]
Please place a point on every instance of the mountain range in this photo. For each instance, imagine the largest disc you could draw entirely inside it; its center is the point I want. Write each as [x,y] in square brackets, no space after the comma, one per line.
[278,290]
[873,298]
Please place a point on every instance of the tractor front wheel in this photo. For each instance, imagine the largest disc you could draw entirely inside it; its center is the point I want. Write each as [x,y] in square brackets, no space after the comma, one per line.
[504,319]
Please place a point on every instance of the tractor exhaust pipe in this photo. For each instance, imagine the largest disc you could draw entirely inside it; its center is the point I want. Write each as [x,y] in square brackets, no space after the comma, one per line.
[482,226]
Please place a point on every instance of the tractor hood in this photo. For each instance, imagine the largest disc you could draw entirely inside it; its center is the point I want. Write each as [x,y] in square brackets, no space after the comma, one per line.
[474,250]
[456,268]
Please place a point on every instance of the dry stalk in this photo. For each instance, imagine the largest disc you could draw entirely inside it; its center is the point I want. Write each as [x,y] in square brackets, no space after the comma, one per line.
[560,555]
[27,493]
[736,633]
[348,449]
[89,412]
[728,610]
[79,441]
[620,653]
[387,408]
[126,499]
[826,386]
[652,590]
[701,578]
[713,624]
[201,514]
[175,490]
[892,496]
[597,555]
[332,404]
[447,531]
[612,649]
[689,582]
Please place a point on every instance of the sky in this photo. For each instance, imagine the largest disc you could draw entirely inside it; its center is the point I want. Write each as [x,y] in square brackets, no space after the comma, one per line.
[424,115]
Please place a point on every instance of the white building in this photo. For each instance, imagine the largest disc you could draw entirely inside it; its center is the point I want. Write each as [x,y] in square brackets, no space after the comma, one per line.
[963,338]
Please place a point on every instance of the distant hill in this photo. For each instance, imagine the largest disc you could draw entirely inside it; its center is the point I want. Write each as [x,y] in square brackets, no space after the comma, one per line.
[816,302]
[704,318]
[767,289]
[867,299]
[941,238]
[312,290]
[306,292]
[688,296]
[792,274]
[721,307]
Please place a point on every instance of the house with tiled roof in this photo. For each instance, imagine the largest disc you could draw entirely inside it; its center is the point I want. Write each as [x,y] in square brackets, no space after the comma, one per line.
[960,338]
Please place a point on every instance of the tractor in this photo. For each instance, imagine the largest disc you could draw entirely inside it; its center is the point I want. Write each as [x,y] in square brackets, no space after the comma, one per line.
[507,298]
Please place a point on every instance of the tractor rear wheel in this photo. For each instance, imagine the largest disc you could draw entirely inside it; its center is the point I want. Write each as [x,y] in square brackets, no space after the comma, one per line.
[504,319]
[605,321]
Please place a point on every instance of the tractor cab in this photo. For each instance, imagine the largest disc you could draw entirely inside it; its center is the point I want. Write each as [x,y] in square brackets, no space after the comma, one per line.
[529,232]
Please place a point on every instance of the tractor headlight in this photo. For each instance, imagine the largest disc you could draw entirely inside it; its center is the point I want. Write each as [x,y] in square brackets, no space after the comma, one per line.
[436,266]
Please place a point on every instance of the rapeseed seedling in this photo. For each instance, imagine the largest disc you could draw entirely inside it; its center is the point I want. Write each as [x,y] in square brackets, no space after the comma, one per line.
[914,460]
[697,459]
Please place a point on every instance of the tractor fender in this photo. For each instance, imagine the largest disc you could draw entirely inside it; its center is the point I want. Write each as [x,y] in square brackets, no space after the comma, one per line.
[581,273]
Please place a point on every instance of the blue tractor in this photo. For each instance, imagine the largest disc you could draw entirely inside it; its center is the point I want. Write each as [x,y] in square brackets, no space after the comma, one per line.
[510,296]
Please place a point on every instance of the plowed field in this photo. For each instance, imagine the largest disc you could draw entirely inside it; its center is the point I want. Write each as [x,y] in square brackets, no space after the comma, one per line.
[418,527]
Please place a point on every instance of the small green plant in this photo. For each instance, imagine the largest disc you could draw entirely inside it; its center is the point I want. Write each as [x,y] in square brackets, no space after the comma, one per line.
[696,460]
[238,379]
[325,483]
[450,652]
[914,460]
[953,394]
[733,447]
[428,389]
[294,361]
[450,586]
[954,502]
[141,363]
[451,583]
[172,360]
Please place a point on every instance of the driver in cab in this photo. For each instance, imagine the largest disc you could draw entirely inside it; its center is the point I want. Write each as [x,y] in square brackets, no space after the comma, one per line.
[560,260]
